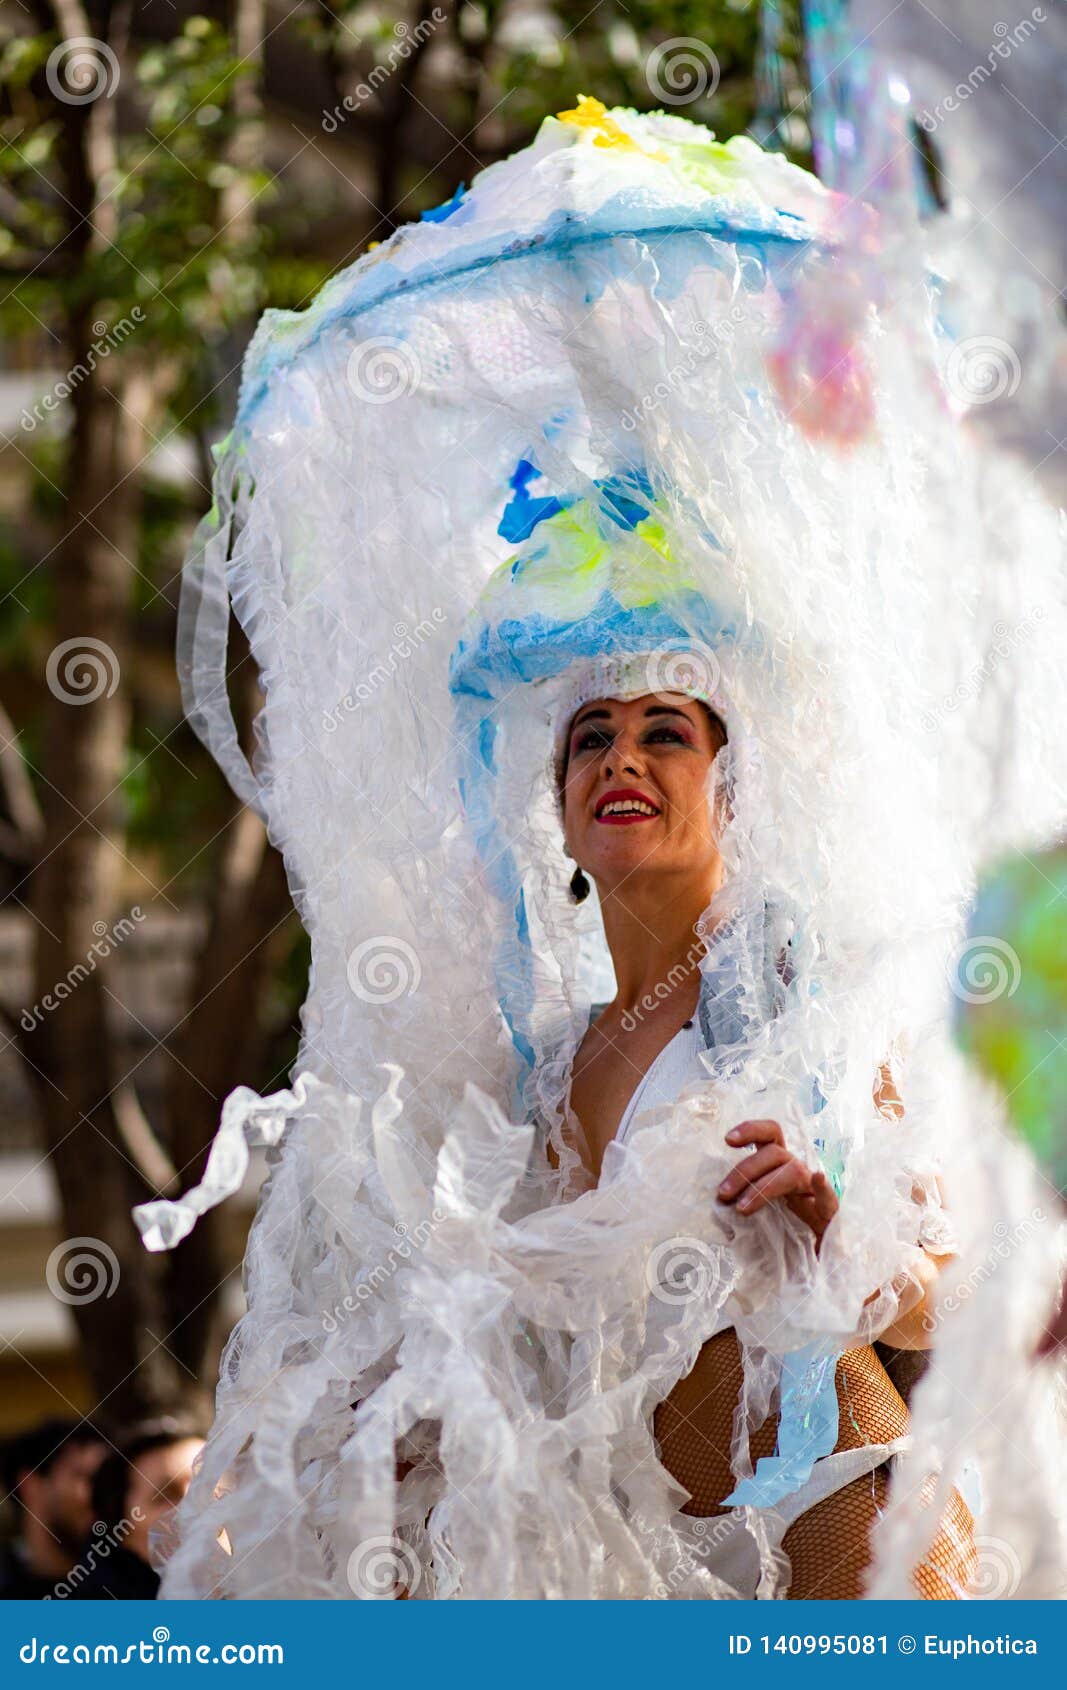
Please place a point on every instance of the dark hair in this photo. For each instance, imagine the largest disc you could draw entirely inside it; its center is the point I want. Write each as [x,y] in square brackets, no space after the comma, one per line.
[38,1450]
[111,1481]
[715,723]
[718,726]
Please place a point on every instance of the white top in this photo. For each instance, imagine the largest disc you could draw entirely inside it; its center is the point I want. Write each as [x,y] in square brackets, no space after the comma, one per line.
[677,1066]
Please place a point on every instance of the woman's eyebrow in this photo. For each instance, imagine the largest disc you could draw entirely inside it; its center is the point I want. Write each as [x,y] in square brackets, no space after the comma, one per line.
[667,710]
[602,715]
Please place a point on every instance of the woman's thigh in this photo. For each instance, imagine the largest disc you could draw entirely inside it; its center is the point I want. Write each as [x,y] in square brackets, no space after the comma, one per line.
[829,1546]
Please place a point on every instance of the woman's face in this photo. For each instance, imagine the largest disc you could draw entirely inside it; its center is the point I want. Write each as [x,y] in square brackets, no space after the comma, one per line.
[635,798]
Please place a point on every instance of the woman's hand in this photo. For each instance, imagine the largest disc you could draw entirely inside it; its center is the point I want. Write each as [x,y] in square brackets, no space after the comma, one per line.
[773,1173]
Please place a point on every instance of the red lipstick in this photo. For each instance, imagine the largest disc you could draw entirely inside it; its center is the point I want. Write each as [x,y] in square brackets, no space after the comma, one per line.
[623,806]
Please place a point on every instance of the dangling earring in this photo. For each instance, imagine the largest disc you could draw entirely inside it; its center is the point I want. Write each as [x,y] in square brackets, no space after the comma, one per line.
[579,886]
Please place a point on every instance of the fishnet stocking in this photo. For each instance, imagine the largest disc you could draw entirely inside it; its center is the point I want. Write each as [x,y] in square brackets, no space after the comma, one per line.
[829,1545]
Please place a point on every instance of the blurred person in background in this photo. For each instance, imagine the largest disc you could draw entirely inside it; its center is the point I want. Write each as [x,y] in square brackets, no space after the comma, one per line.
[48,1473]
[134,1490]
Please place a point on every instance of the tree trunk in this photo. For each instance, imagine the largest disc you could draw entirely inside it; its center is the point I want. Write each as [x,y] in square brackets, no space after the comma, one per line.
[75,900]
[149,1325]
[107,1279]
[216,1048]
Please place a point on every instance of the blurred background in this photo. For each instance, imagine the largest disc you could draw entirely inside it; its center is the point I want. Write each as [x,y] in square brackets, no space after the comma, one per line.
[168,171]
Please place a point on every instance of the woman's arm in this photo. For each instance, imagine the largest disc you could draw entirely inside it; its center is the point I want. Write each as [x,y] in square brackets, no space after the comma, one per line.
[773,1174]
[913,1328]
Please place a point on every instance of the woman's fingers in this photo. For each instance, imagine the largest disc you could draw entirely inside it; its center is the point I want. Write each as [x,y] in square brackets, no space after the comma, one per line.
[791,1177]
[817,1207]
[771,1173]
[824,1197]
[755,1132]
[771,1156]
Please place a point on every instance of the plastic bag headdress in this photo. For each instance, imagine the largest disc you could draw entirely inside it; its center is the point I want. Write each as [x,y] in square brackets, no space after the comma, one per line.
[594,604]
[597,323]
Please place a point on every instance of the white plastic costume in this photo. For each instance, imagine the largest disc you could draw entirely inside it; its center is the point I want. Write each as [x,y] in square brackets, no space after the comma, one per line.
[594,343]
[682,1064]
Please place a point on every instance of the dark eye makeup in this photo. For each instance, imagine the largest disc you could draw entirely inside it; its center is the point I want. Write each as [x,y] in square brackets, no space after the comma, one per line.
[595,738]
[590,739]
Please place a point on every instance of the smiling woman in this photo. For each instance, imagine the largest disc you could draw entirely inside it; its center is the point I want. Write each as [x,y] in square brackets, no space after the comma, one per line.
[634,778]
[636,817]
